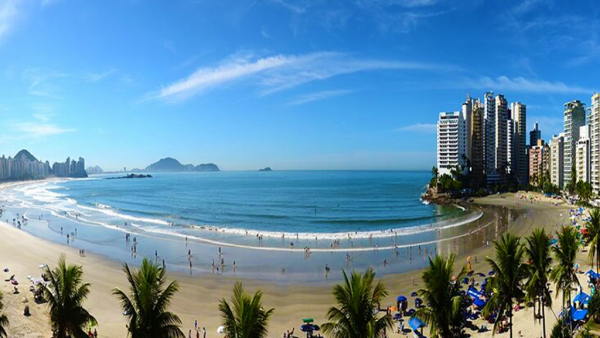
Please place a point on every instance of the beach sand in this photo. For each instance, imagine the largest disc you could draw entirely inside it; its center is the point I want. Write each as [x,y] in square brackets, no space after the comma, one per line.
[199,296]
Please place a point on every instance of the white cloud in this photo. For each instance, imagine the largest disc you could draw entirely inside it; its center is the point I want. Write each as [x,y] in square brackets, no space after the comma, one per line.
[95,77]
[280,72]
[9,13]
[41,83]
[319,96]
[39,129]
[520,84]
[420,127]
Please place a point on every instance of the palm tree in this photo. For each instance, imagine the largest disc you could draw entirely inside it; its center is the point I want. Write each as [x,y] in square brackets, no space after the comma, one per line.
[564,274]
[245,317]
[66,293]
[593,237]
[506,283]
[357,299]
[540,261]
[444,300]
[3,321]
[148,302]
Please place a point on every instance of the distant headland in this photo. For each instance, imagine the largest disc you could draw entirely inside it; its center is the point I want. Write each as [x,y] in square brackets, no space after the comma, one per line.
[266,169]
[169,164]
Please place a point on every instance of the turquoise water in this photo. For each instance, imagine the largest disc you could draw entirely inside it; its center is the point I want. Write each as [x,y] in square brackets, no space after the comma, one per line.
[351,215]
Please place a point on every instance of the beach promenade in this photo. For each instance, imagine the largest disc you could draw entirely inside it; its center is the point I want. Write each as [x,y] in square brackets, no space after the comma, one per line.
[198,297]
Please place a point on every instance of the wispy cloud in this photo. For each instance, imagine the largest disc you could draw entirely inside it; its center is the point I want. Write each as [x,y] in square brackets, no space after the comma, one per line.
[9,13]
[39,129]
[265,33]
[35,129]
[41,83]
[280,72]
[95,77]
[520,84]
[317,96]
[429,128]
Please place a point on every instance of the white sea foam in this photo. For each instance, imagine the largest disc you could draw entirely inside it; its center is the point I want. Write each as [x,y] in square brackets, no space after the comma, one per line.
[61,206]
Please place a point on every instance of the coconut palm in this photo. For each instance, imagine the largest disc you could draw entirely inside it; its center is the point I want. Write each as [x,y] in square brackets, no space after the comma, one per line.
[539,256]
[506,283]
[355,316]
[65,294]
[593,237]
[148,302]
[442,295]
[3,321]
[564,273]
[245,316]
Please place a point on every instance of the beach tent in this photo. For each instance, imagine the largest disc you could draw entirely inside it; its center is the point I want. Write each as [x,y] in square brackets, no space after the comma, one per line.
[578,314]
[479,302]
[415,323]
[473,293]
[582,297]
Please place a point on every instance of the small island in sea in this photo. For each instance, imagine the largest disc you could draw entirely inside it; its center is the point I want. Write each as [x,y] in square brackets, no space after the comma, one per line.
[169,164]
[130,176]
[266,169]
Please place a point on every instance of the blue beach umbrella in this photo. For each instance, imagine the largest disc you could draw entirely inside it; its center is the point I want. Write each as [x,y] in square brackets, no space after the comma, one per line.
[479,302]
[582,297]
[415,323]
[414,294]
[401,298]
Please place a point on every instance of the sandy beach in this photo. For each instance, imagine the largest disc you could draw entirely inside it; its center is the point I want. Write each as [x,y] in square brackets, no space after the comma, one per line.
[198,298]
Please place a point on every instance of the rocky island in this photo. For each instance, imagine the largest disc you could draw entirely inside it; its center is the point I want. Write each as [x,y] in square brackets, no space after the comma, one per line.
[266,169]
[130,176]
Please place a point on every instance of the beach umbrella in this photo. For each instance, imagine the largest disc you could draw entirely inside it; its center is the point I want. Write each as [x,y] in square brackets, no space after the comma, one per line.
[415,323]
[465,280]
[221,329]
[397,316]
[306,328]
[491,272]
[413,294]
[401,298]
[590,272]
[307,320]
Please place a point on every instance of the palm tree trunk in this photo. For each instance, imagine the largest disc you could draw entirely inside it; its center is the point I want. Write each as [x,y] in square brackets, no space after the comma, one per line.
[543,317]
[510,320]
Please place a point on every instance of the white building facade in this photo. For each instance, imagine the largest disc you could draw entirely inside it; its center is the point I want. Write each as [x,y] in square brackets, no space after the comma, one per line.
[557,160]
[451,142]
[582,155]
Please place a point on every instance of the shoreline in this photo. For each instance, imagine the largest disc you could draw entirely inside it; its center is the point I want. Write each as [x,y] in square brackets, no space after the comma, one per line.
[200,294]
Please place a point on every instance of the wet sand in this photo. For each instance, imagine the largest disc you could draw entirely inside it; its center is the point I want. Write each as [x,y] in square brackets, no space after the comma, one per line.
[199,296]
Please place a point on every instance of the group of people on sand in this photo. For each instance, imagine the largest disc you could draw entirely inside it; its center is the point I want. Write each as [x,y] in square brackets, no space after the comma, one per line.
[197,330]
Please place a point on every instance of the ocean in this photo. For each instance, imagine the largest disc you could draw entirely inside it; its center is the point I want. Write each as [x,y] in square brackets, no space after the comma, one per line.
[309,218]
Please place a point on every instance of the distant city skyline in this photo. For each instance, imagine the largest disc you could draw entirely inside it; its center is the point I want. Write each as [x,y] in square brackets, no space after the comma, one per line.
[287,84]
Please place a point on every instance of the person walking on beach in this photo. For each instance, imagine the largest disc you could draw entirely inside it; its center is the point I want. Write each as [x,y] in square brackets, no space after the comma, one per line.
[196,325]
[203,332]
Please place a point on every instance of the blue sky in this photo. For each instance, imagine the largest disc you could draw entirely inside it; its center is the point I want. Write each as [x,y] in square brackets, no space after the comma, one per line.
[319,84]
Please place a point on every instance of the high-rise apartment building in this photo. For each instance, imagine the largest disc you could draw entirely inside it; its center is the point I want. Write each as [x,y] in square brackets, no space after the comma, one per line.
[477,144]
[489,114]
[536,161]
[500,155]
[534,135]
[519,150]
[594,122]
[574,119]
[452,142]
[510,147]
[557,160]
[582,154]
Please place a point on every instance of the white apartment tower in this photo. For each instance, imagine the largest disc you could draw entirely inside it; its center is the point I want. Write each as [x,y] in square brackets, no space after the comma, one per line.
[510,150]
[557,160]
[582,154]
[520,158]
[574,119]
[451,142]
[594,124]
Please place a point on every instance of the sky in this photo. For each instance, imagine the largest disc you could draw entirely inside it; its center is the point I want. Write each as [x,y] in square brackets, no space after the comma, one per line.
[306,84]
